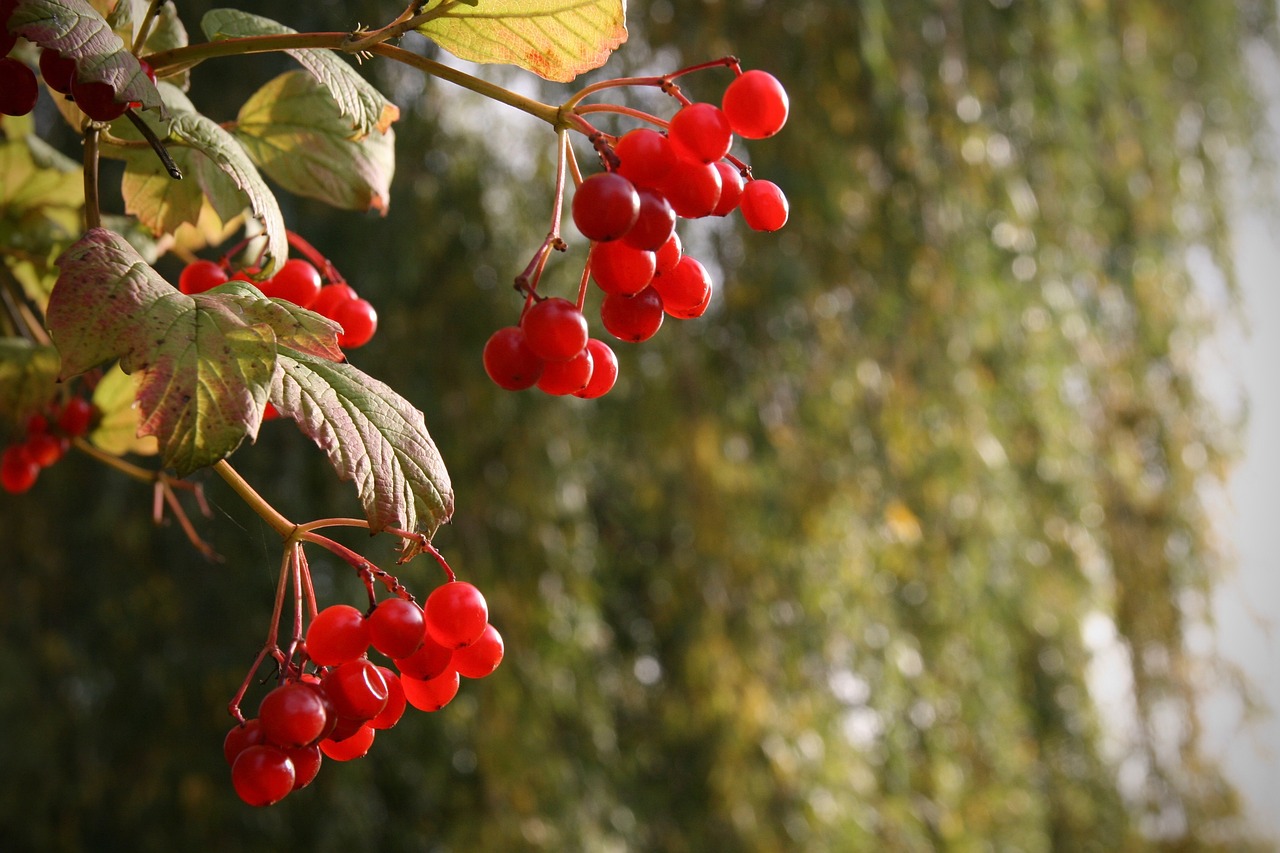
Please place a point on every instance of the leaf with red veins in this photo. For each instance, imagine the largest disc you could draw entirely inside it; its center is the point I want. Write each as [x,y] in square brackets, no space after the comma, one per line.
[77,31]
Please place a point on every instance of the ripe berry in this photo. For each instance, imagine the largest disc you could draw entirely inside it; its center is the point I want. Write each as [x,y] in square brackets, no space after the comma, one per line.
[45,449]
[481,657]
[755,104]
[19,89]
[241,737]
[763,205]
[97,100]
[692,188]
[293,715]
[632,318]
[509,361]
[331,296]
[604,370]
[567,377]
[730,189]
[352,747]
[702,130]
[427,662]
[18,471]
[297,281]
[684,288]
[57,71]
[76,417]
[357,689]
[396,627]
[306,764]
[262,775]
[394,709]
[431,695]
[619,267]
[456,613]
[669,255]
[605,206]
[655,224]
[645,156]
[201,275]
[337,634]
[359,321]
[554,329]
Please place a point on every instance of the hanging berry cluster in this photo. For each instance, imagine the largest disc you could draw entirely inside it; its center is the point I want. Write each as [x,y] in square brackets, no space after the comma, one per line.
[331,699]
[48,437]
[653,178]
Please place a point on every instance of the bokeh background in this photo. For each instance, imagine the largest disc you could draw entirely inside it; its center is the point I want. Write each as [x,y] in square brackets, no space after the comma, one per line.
[833,567]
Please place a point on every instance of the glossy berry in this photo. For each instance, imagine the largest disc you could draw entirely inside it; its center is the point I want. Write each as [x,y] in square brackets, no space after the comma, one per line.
[730,189]
[97,100]
[306,764]
[241,737]
[351,747]
[293,715]
[19,89]
[427,662]
[262,775]
[684,288]
[702,130]
[645,156]
[481,657]
[331,296]
[396,627]
[567,377]
[605,206]
[18,471]
[456,613]
[763,205]
[604,370]
[297,280]
[756,105]
[509,361]
[201,275]
[554,329]
[655,223]
[692,188]
[431,695]
[57,71]
[619,267]
[76,417]
[394,709]
[338,634]
[632,318]
[669,255]
[356,689]
[358,319]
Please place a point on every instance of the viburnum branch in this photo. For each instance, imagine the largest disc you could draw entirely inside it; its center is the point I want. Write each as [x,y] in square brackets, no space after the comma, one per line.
[156,145]
[300,568]
[92,209]
[256,502]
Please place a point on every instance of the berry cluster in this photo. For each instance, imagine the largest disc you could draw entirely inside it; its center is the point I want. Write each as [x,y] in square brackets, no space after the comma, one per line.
[629,213]
[18,87]
[299,282]
[47,439]
[335,708]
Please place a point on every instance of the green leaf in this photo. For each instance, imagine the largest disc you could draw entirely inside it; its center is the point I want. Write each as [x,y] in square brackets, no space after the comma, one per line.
[28,377]
[78,31]
[41,199]
[292,129]
[555,39]
[217,173]
[117,427]
[373,437]
[365,107]
[206,361]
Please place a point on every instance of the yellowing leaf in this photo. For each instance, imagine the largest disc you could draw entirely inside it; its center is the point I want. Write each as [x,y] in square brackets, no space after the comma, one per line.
[555,39]
[117,428]
[27,377]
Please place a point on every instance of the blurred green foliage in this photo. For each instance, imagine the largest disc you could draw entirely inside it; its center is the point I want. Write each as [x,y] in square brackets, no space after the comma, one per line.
[814,576]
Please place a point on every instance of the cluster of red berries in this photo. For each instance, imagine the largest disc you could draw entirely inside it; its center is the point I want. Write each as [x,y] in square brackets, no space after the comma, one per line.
[629,212]
[47,440]
[335,710]
[19,89]
[299,282]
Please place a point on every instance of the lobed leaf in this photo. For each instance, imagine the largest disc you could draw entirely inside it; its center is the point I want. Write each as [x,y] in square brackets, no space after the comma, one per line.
[373,437]
[116,431]
[364,105]
[555,39]
[294,132]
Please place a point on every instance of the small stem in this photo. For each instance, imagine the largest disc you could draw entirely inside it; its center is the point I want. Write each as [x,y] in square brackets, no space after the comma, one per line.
[92,210]
[269,647]
[281,525]
[156,145]
[320,523]
[128,468]
[162,486]
[584,283]
[618,109]
[327,269]
[144,31]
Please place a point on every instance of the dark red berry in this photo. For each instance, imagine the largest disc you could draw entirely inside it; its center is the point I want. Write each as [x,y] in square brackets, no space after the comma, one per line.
[655,224]
[18,471]
[293,715]
[57,70]
[97,100]
[262,775]
[357,689]
[605,206]
[306,764]
[241,737]
[19,89]
[509,361]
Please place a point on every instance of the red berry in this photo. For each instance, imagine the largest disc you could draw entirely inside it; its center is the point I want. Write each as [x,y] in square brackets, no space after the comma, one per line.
[645,156]
[619,267]
[567,377]
[456,614]
[755,104]
[428,661]
[684,288]
[293,715]
[396,627]
[76,417]
[481,657]
[338,634]
[262,775]
[241,737]
[354,746]
[554,329]
[632,318]
[358,319]
[730,189]
[669,255]
[18,471]
[692,188]
[7,39]
[605,206]
[702,130]
[764,207]
[655,224]
[97,100]
[45,449]
[509,361]
[297,281]
[306,764]
[331,296]
[57,71]
[604,370]
[431,695]
[357,689]
[394,709]
[199,276]
[19,89]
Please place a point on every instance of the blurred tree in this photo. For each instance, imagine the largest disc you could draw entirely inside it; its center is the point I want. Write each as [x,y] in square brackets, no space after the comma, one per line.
[819,573]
